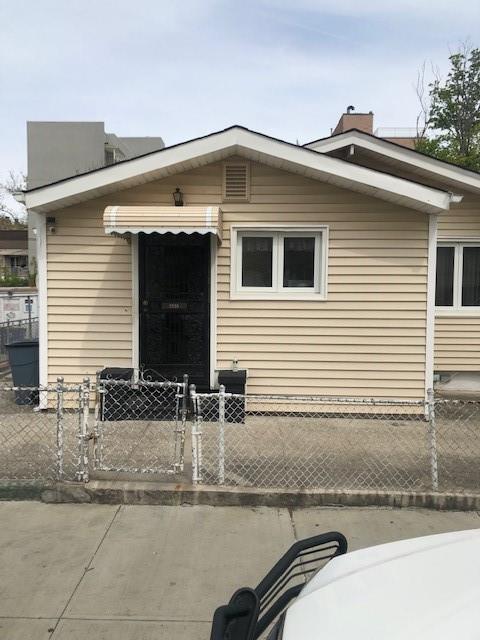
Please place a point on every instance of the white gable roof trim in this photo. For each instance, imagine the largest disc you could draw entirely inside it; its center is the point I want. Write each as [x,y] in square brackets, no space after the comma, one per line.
[256,146]
[464,177]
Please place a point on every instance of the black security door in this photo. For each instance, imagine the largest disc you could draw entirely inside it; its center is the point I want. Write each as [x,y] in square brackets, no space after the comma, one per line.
[175,305]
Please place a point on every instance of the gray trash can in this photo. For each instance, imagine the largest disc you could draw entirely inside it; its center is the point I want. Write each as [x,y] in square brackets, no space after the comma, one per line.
[23,358]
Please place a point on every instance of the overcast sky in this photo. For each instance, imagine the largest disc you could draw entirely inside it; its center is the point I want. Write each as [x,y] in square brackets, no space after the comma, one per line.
[185,68]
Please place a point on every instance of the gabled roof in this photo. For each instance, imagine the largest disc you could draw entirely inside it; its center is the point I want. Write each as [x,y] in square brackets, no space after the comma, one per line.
[395,155]
[250,144]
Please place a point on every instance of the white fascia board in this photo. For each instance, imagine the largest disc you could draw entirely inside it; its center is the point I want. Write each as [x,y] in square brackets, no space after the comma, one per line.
[237,140]
[352,176]
[396,152]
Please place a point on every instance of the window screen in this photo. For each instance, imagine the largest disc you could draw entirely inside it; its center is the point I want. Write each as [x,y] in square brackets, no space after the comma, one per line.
[298,262]
[257,261]
[471,277]
[445,270]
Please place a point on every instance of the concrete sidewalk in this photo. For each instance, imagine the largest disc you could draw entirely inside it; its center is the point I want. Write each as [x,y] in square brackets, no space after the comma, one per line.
[149,572]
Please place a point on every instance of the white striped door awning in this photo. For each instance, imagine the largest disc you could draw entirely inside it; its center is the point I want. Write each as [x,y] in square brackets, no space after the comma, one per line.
[162,219]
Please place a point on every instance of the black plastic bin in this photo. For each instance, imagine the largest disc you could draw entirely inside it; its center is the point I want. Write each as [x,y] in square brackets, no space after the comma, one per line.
[115,404]
[234,382]
[116,373]
[23,358]
[135,402]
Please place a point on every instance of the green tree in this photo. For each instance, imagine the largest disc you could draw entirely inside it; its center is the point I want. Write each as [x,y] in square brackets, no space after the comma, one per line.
[12,215]
[451,114]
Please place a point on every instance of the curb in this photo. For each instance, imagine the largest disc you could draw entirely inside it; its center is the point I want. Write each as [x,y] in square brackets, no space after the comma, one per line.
[153,493]
[21,490]
[159,493]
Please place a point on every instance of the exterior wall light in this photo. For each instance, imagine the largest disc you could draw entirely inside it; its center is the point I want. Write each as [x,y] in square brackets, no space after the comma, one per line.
[51,225]
[178,197]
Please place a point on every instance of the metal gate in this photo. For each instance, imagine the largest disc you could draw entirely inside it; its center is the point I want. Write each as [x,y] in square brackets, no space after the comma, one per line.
[174,332]
[139,427]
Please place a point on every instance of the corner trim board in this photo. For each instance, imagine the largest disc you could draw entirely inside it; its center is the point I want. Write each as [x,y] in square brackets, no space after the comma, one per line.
[135,305]
[213,309]
[42,304]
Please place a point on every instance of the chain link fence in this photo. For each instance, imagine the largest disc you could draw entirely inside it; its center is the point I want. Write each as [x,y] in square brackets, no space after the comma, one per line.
[40,444]
[71,432]
[456,424]
[66,432]
[304,442]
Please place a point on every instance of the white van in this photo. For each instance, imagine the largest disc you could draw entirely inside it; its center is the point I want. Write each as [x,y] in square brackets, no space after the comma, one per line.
[421,589]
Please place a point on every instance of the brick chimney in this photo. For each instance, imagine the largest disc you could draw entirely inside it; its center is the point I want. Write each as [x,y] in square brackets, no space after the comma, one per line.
[350,120]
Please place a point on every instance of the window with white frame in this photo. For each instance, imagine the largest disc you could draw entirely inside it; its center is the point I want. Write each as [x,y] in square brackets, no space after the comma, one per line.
[280,263]
[458,276]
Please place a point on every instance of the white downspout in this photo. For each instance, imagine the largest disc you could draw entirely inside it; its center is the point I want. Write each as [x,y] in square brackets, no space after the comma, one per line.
[430,316]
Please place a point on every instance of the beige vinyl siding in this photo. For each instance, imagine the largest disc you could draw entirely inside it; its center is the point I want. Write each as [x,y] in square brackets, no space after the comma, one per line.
[89,277]
[457,343]
[89,296]
[457,337]
[366,339]
[463,219]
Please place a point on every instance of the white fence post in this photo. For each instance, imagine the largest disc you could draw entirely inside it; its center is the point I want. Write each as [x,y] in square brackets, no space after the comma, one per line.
[433,439]
[221,434]
[97,434]
[180,433]
[82,470]
[196,437]
[60,449]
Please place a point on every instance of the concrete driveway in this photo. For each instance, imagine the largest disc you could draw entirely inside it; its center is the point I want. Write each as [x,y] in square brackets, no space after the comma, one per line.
[148,572]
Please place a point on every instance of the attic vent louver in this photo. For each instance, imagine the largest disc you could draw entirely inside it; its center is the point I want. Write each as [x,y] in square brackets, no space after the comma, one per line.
[236,181]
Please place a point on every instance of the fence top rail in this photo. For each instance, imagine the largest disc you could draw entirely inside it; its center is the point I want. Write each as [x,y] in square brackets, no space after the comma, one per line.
[453,401]
[313,399]
[92,386]
[53,388]
[162,384]
[11,323]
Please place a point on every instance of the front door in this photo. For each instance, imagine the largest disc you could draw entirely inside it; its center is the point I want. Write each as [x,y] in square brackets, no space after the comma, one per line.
[175,306]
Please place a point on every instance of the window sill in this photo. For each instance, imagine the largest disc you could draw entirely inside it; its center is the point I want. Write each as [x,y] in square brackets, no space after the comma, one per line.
[448,313]
[307,297]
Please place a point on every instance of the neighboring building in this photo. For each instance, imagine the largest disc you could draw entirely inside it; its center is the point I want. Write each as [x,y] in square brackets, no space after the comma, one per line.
[18,304]
[312,267]
[404,136]
[13,253]
[58,150]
